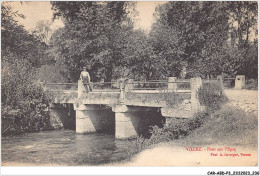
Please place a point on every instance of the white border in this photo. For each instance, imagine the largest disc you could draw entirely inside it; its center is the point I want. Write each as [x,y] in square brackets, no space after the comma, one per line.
[8,170]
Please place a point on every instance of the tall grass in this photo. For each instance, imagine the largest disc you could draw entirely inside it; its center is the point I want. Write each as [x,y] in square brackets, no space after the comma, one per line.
[227,126]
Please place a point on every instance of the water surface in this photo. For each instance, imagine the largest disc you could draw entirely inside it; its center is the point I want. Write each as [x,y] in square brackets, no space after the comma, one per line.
[63,147]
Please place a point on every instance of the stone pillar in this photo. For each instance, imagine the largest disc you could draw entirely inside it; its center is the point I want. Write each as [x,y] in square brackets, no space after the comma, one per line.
[195,84]
[240,82]
[129,85]
[124,125]
[122,90]
[220,79]
[81,88]
[84,123]
[172,86]
[94,118]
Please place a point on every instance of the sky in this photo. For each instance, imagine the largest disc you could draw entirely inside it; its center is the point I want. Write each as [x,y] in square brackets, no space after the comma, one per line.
[39,10]
[34,12]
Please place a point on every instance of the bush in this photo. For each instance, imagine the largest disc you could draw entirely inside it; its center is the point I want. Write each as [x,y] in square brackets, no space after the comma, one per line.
[252,84]
[24,103]
[27,114]
[174,129]
[212,95]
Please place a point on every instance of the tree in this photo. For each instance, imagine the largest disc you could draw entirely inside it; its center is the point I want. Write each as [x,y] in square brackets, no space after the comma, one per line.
[243,17]
[15,40]
[243,36]
[168,49]
[204,30]
[91,36]
[139,59]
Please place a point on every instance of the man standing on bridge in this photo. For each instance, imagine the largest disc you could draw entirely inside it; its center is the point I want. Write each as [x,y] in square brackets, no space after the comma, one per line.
[85,78]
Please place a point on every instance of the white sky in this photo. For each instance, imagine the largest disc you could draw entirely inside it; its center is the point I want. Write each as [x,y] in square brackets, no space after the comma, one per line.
[146,10]
[36,11]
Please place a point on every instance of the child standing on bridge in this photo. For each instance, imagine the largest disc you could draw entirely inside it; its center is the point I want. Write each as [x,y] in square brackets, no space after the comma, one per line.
[85,78]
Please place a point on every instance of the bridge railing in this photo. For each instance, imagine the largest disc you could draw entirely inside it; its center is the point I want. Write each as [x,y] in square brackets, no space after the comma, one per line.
[229,82]
[95,86]
[61,86]
[158,85]
[126,85]
[103,86]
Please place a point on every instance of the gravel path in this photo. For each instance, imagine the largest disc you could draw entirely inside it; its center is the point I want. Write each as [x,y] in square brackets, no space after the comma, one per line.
[246,100]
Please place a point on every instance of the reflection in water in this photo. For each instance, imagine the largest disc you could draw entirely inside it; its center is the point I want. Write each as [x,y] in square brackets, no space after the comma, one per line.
[63,147]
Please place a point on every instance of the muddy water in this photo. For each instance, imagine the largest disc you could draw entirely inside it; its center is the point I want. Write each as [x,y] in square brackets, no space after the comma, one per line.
[62,147]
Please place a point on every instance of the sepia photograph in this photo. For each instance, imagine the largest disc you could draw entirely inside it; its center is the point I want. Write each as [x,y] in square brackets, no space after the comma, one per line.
[130,83]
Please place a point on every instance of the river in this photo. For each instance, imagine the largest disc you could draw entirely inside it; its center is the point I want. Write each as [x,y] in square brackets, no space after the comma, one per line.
[62,147]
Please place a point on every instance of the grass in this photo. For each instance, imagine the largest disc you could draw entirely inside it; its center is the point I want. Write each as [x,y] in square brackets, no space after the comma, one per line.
[227,126]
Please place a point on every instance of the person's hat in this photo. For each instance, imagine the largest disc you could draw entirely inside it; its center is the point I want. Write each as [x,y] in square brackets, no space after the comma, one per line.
[84,67]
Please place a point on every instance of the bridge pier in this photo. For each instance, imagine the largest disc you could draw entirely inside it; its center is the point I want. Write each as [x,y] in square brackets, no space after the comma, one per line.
[132,121]
[94,118]
[124,122]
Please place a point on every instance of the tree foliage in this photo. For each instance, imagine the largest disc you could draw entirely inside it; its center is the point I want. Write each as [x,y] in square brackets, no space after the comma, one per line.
[214,36]
[15,40]
[93,36]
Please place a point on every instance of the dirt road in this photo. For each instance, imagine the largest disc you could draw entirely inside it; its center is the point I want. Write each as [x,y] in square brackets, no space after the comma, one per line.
[247,100]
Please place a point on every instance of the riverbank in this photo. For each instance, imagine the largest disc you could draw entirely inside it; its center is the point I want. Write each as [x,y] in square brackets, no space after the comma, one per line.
[234,126]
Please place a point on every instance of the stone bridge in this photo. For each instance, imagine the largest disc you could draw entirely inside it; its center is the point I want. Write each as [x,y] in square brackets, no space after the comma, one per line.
[126,108]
